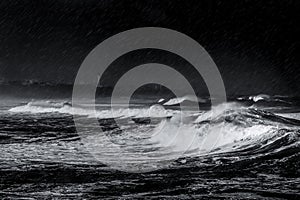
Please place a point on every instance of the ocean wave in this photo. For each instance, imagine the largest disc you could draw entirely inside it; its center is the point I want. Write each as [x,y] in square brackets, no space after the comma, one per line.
[290,115]
[231,123]
[225,130]
[226,127]
[65,107]
[179,100]
[260,98]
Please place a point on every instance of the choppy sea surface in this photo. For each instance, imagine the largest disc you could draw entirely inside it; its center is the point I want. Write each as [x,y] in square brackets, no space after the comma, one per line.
[248,148]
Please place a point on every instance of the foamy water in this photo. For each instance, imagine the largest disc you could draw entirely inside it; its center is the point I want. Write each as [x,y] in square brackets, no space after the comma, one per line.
[228,146]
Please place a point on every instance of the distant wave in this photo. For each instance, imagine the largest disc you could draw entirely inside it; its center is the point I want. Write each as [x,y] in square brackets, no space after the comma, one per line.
[66,108]
[264,98]
[179,100]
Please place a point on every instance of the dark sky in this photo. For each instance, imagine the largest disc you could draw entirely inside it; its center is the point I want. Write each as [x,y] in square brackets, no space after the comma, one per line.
[252,42]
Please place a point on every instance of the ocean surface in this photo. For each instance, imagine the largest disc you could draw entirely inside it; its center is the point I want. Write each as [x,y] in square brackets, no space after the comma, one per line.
[247,148]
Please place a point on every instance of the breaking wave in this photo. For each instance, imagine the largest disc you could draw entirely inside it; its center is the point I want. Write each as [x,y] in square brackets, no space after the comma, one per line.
[267,99]
[65,107]
[228,127]
[179,100]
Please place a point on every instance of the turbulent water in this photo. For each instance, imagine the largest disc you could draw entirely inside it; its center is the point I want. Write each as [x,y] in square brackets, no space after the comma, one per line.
[247,148]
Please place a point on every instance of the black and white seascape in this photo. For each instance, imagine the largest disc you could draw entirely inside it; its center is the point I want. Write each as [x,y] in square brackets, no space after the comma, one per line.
[240,143]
